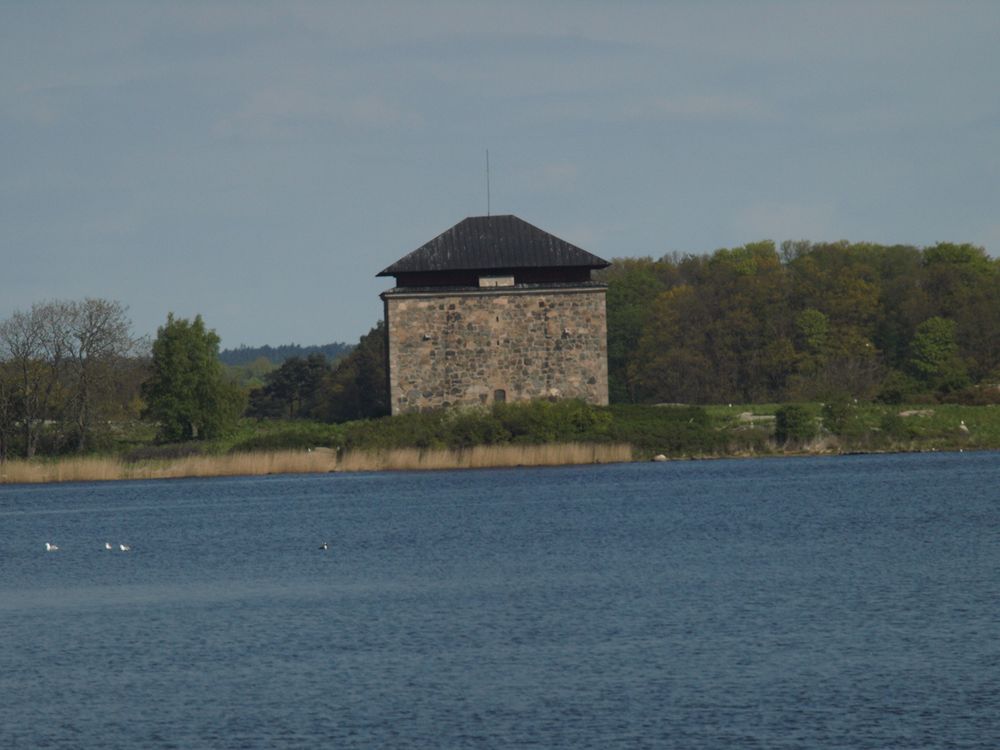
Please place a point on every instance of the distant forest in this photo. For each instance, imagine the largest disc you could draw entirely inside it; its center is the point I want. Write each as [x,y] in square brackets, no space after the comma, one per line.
[806,322]
[245,355]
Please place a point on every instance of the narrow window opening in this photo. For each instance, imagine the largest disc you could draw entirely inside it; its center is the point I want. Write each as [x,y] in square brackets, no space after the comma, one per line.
[499,396]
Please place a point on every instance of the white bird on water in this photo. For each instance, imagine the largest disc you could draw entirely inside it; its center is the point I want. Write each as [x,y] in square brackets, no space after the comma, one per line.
[49,547]
[125,547]
[107,545]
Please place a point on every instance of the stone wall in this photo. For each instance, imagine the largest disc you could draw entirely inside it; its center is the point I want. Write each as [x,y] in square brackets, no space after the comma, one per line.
[466,348]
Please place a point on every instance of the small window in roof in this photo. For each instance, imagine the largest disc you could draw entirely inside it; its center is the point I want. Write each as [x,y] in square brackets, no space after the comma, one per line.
[491,281]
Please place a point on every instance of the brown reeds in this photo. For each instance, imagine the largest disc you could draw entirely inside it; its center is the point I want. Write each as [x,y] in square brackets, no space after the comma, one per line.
[485,456]
[319,460]
[61,470]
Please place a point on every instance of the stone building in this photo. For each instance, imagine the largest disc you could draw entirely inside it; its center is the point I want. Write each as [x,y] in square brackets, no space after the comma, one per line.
[495,309]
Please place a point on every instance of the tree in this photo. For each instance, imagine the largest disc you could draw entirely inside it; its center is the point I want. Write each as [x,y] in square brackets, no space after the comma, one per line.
[793,424]
[721,335]
[633,285]
[187,393]
[99,337]
[34,344]
[292,390]
[8,408]
[934,356]
[68,365]
[356,388]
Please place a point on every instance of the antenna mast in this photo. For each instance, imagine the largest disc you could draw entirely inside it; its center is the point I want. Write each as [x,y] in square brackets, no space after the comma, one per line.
[487,182]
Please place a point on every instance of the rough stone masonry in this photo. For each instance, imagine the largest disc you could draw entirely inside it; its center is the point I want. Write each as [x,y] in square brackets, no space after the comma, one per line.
[508,345]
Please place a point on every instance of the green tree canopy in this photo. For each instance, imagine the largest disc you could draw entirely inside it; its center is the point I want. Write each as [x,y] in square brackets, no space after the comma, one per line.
[633,285]
[356,387]
[187,392]
[292,390]
[815,321]
[934,357]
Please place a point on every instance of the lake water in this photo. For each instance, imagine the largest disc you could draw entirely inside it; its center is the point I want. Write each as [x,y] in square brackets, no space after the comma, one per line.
[846,602]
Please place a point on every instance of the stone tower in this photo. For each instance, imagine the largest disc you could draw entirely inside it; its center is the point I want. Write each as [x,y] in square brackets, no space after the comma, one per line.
[495,309]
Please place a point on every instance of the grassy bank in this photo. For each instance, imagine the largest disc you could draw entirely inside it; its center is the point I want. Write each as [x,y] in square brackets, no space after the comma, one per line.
[538,434]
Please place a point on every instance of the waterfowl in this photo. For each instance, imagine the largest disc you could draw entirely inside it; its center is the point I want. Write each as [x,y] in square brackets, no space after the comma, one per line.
[50,547]
[324,545]
[107,545]
[125,547]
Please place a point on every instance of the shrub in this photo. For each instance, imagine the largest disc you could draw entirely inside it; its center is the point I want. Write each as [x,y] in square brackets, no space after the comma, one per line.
[836,414]
[975,395]
[168,451]
[841,417]
[291,436]
[793,424]
[548,421]
[469,428]
[896,427]
[896,388]
[676,430]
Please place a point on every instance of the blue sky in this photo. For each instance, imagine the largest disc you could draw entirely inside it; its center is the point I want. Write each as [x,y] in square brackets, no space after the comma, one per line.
[259,163]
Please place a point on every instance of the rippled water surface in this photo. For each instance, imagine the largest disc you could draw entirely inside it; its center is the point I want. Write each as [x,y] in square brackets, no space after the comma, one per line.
[837,603]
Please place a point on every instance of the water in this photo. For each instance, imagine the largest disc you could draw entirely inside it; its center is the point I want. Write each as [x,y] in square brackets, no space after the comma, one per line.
[834,603]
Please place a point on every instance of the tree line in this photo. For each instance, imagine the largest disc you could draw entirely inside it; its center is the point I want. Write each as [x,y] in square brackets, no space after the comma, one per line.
[276,355]
[752,324]
[806,322]
[73,377]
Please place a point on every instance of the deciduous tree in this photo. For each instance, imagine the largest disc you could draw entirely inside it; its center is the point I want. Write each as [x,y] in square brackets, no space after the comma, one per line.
[99,340]
[34,343]
[934,356]
[186,392]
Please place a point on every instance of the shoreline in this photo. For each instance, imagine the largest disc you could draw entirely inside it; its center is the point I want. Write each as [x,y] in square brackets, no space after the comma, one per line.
[312,461]
[328,461]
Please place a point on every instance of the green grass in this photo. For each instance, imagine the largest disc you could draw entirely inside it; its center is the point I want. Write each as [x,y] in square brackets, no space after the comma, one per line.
[675,431]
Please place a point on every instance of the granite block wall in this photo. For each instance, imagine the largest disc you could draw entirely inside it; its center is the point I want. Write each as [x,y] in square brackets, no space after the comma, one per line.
[467,348]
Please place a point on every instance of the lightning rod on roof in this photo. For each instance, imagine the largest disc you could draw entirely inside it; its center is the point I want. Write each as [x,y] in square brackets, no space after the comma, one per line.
[487,182]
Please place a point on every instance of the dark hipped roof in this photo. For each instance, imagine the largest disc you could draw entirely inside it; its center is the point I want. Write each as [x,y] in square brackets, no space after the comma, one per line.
[493,242]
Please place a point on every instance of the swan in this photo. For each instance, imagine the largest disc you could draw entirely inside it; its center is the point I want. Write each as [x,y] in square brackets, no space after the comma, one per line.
[125,547]
[50,547]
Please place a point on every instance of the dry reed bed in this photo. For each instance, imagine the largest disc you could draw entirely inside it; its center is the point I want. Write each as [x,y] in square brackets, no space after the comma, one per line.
[485,456]
[312,462]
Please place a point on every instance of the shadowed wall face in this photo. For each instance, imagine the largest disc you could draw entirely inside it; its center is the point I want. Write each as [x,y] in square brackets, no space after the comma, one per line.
[471,348]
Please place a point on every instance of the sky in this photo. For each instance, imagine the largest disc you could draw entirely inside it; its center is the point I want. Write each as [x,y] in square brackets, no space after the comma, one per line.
[258,163]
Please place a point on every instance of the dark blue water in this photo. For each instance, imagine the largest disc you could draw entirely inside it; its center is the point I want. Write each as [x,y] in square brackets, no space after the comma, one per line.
[830,603]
